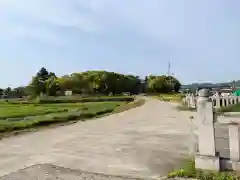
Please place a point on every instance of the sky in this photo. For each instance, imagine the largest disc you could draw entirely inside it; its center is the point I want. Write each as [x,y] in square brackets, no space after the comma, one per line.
[201,38]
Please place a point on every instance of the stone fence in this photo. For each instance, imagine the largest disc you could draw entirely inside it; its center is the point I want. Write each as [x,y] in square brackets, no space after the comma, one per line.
[217,139]
[218,101]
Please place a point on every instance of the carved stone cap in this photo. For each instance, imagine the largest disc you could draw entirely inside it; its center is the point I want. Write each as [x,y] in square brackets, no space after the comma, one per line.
[204,93]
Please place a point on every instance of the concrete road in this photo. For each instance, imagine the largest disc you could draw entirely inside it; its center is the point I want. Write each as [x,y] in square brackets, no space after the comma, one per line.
[145,142]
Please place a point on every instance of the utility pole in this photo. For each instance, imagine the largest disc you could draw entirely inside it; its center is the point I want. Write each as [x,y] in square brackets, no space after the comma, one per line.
[170,74]
[169,68]
[234,85]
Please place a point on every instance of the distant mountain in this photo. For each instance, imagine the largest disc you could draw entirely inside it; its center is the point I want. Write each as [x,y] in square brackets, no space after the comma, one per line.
[211,85]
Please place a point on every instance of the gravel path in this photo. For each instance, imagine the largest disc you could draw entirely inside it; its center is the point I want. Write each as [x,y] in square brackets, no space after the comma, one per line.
[144,142]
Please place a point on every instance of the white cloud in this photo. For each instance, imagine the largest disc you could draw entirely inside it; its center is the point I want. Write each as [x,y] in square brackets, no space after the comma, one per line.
[38,18]
[165,21]
[157,19]
[87,14]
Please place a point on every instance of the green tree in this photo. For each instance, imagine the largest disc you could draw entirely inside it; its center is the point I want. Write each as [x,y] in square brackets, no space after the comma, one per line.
[52,86]
[38,83]
[101,82]
[1,92]
[162,84]
[7,92]
[174,83]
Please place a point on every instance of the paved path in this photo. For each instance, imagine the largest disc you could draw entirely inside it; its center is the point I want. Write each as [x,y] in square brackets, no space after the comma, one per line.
[143,142]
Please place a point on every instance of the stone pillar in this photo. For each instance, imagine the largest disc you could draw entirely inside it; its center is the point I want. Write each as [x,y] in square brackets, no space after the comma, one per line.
[223,102]
[189,100]
[227,101]
[192,101]
[235,100]
[184,101]
[193,134]
[206,159]
[218,105]
[234,144]
[232,100]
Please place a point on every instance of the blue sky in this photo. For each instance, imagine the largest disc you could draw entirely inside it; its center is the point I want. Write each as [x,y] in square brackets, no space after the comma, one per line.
[200,37]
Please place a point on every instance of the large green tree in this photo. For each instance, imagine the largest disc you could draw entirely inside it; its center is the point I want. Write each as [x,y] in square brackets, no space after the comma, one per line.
[162,84]
[100,82]
[44,83]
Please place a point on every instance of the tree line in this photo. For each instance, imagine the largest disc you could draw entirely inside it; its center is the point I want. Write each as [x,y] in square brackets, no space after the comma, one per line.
[93,83]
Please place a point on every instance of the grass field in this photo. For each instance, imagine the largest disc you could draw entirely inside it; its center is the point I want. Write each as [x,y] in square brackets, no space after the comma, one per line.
[68,99]
[15,117]
[23,110]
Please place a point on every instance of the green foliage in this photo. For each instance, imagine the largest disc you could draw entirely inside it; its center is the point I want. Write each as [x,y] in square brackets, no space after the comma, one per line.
[46,83]
[162,84]
[189,171]
[101,82]
[230,108]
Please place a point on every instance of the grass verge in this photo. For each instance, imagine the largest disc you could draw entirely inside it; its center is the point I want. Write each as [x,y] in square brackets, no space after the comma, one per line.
[8,128]
[175,97]
[185,108]
[189,171]
[130,105]
[230,108]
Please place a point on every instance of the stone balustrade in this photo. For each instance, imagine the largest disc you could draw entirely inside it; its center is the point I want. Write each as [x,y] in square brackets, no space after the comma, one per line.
[217,140]
[218,101]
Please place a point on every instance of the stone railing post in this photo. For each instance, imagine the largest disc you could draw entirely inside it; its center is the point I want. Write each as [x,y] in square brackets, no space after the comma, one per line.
[192,101]
[235,100]
[223,101]
[227,101]
[234,144]
[218,103]
[184,100]
[188,100]
[232,100]
[206,158]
